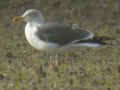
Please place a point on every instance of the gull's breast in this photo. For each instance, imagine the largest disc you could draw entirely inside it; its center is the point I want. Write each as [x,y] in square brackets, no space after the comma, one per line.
[34,41]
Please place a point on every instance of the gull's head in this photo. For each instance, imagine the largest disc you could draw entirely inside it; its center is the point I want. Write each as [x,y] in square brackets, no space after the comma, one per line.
[31,15]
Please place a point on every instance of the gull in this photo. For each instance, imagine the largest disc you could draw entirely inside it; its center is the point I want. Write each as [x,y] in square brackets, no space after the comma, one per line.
[54,36]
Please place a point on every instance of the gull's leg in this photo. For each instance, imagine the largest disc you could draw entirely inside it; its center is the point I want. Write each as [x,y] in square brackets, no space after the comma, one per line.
[56,59]
[50,62]
[53,62]
[35,50]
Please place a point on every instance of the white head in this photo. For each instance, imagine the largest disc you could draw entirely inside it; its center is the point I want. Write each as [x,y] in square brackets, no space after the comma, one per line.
[31,15]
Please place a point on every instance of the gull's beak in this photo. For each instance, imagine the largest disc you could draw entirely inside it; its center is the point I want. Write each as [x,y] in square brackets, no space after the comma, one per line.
[17,18]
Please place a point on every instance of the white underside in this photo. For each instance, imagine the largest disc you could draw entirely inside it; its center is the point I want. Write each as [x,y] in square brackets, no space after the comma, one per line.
[87,44]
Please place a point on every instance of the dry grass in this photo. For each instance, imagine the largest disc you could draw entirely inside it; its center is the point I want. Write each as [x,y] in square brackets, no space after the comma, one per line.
[85,69]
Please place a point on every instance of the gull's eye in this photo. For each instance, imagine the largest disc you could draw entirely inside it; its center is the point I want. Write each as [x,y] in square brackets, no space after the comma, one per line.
[33,14]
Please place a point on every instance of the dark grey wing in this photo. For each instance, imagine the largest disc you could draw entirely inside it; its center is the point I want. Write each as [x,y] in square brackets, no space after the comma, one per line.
[61,34]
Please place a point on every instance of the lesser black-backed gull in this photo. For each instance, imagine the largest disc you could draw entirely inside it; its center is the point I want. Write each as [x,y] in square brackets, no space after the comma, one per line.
[51,36]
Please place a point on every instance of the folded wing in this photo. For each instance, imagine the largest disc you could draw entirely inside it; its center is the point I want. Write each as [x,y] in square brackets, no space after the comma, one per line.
[62,34]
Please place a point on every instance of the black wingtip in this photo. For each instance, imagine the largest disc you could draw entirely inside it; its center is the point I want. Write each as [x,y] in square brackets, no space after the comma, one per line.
[103,38]
[95,41]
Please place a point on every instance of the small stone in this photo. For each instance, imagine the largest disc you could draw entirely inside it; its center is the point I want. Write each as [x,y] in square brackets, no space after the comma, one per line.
[1,76]
[9,55]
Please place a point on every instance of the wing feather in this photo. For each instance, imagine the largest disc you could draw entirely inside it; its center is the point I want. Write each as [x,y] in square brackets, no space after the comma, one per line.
[62,34]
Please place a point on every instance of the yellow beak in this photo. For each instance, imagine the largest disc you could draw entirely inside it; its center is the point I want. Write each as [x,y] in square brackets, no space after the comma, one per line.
[17,18]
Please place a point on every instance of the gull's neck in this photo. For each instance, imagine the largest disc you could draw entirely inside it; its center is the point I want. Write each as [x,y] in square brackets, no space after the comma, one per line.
[37,21]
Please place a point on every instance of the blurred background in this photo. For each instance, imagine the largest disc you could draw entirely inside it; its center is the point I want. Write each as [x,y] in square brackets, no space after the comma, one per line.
[21,68]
